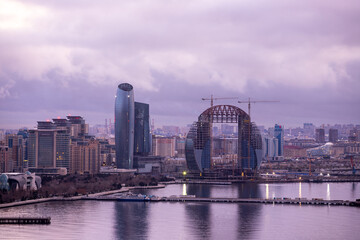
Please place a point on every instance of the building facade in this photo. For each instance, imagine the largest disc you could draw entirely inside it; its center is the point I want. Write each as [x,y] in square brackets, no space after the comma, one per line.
[270,148]
[142,137]
[320,135]
[85,155]
[333,135]
[48,147]
[124,126]
[16,146]
[4,159]
[164,146]
[279,134]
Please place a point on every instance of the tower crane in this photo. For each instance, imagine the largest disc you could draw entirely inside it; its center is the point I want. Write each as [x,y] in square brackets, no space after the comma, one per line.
[249,102]
[211,99]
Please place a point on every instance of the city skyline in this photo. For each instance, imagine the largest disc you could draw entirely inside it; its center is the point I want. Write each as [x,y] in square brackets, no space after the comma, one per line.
[174,54]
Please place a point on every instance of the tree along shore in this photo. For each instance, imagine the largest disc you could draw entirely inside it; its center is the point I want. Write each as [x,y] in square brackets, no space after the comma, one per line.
[75,185]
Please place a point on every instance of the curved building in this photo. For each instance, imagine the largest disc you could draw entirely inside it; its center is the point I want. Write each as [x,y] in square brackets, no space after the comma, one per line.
[198,141]
[124,126]
[19,181]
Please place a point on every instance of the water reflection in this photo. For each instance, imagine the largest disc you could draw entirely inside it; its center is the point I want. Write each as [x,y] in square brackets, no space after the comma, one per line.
[248,213]
[200,216]
[299,189]
[267,191]
[184,189]
[353,190]
[328,192]
[248,190]
[131,220]
[199,190]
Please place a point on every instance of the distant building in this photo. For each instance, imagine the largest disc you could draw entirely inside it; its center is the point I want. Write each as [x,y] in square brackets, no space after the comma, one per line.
[333,135]
[63,146]
[78,127]
[223,146]
[227,129]
[124,126]
[354,135]
[180,147]
[309,129]
[5,164]
[270,148]
[321,151]
[164,146]
[25,135]
[85,155]
[148,164]
[294,152]
[320,135]
[353,148]
[16,146]
[48,147]
[171,130]
[279,134]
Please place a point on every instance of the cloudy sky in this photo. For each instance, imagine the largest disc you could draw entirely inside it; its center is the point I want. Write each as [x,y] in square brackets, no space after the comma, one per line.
[67,57]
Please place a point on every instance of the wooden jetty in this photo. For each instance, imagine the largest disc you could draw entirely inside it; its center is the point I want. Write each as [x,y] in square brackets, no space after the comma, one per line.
[25,220]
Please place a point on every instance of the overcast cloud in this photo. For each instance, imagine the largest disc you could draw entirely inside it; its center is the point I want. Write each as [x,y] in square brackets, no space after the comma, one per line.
[67,57]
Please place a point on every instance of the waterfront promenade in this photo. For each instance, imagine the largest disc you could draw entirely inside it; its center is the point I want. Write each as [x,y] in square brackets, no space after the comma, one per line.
[76,198]
[109,196]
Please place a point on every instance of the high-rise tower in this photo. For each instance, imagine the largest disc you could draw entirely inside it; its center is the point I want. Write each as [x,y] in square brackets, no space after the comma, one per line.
[320,135]
[142,129]
[279,134]
[124,125]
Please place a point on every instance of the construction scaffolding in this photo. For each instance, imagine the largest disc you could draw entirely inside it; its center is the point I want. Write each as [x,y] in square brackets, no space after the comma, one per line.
[199,142]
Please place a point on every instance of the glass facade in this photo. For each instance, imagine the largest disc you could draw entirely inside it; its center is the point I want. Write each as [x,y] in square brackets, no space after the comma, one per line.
[46,148]
[124,126]
[142,129]
[279,134]
[32,148]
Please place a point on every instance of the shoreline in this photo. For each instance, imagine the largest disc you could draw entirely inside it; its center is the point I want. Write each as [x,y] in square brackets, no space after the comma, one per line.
[161,185]
[76,198]
[261,181]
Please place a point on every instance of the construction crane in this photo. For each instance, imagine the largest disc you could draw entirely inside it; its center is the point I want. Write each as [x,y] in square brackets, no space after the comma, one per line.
[310,161]
[352,163]
[211,99]
[249,102]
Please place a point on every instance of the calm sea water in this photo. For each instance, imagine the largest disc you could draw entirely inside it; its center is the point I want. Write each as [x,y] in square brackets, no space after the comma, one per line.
[131,220]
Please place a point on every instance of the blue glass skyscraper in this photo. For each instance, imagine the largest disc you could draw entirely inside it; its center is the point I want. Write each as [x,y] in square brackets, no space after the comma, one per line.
[142,129]
[124,126]
[279,134]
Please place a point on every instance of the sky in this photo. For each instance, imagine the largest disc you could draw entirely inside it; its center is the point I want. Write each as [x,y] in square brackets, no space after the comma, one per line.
[68,57]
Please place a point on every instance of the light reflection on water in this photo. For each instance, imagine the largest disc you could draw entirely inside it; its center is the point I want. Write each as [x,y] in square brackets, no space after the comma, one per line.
[328,192]
[163,220]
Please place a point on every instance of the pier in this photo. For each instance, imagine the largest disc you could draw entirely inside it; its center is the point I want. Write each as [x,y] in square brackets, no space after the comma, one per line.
[184,199]
[25,220]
